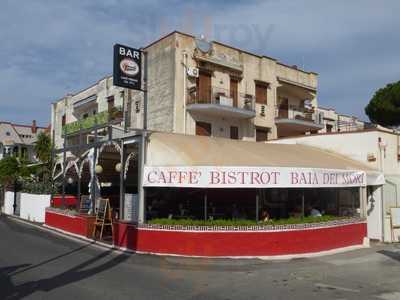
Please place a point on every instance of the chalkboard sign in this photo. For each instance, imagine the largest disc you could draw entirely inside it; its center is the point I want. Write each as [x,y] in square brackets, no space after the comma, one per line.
[102,208]
[395,216]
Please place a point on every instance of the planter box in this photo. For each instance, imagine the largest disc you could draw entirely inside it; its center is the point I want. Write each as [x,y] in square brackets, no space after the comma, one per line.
[238,243]
[77,224]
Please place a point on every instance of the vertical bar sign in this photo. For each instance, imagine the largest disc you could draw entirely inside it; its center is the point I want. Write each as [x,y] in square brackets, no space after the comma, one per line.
[127,67]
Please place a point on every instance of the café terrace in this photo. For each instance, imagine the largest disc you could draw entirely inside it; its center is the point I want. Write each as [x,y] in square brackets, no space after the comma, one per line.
[150,176]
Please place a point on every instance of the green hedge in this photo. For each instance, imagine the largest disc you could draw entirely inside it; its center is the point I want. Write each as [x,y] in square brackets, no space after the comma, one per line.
[190,222]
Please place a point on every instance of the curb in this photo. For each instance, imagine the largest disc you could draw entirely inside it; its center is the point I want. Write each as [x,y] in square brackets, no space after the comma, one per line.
[70,236]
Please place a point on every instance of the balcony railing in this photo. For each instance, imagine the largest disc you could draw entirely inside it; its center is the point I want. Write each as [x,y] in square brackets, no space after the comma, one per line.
[113,116]
[223,97]
[293,112]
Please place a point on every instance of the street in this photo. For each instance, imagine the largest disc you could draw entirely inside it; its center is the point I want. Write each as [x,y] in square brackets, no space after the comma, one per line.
[38,264]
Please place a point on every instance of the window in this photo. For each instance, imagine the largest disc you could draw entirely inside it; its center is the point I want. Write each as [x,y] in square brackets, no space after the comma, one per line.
[8,133]
[262,134]
[203,128]
[63,120]
[234,91]
[24,152]
[204,88]
[110,101]
[261,93]
[234,132]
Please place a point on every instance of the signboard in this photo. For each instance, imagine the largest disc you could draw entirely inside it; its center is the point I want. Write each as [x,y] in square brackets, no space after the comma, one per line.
[131,205]
[127,67]
[250,177]
[86,203]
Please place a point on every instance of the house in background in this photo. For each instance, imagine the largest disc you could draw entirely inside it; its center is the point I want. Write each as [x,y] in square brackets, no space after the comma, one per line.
[19,140]
[336,122]
[198,87]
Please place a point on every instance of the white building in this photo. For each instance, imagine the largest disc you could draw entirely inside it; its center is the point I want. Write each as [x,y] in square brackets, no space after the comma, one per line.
[336,122]
[197,87]
[377,149]
[19,140]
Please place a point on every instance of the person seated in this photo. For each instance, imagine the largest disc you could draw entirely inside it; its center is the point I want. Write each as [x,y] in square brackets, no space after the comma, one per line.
[235,212]
[315,212]
[265,216]
[182,210]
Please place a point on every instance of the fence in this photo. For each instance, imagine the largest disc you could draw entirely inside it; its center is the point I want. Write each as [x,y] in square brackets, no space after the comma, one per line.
[29,207]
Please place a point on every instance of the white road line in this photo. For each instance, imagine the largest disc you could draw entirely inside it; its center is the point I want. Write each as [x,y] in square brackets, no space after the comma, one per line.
[334,287]
[389,296]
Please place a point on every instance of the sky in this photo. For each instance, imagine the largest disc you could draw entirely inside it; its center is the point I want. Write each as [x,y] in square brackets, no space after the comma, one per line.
[51,48]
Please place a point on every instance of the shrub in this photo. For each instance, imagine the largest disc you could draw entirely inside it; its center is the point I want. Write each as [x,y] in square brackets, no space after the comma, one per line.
[34,186]
[221,222]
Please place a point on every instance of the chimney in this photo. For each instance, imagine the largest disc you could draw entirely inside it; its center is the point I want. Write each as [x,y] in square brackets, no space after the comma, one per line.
[34,127]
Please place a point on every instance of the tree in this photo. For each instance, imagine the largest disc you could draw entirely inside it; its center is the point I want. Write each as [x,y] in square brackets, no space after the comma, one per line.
[43,148]
[384,107]
[11,172]
[43,153]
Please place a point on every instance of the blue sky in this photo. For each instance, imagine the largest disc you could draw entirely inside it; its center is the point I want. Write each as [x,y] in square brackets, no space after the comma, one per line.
[50,48]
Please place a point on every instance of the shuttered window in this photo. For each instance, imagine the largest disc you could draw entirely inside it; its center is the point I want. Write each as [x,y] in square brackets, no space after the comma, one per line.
[261,94]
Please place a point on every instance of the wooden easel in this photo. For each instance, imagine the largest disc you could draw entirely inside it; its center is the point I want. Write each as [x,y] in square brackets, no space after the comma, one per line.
[103,218]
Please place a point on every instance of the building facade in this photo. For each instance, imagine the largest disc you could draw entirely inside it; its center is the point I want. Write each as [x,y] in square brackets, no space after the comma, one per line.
[336,122]
[203,88]
[378,149]
[19,140]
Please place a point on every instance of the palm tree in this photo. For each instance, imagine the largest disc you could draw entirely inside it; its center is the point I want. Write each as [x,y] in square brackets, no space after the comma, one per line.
[43,148]
[43,154]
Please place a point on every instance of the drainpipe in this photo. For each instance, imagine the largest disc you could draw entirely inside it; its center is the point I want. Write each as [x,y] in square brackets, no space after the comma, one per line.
[382,147]
[184,89]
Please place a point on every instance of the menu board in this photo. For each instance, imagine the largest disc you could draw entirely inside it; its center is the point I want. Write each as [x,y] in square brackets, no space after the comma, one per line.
[86,203]
[131,208]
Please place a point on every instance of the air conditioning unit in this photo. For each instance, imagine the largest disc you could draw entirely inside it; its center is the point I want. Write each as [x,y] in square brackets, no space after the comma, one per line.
[193,72]
[262,110]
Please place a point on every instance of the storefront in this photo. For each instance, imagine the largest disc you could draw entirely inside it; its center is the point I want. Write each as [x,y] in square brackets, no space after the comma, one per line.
[200,196]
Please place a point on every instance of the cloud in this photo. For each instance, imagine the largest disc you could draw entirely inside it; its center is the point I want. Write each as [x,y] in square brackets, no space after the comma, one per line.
[50,48]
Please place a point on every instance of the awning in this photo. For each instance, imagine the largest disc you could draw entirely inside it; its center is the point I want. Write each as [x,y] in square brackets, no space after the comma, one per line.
[193,161]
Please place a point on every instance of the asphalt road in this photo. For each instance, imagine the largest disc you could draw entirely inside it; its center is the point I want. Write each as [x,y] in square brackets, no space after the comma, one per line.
[37,264]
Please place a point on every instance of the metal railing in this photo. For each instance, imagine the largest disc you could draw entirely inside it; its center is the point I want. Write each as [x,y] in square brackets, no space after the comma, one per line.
[112,116]
[293,112]
[349,126]
[220,96]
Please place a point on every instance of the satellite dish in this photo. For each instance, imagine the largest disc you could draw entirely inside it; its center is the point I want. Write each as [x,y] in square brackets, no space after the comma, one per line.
[203,45]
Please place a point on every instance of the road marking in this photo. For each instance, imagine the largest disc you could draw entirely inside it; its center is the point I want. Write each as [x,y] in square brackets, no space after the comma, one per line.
[389,296]
[334,287]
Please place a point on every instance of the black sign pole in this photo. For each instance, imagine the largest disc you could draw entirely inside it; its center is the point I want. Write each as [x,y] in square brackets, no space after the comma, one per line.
[145,79]
[142,151]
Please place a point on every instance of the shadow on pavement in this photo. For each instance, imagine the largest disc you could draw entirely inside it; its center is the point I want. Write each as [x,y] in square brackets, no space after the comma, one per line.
[30,267]
[392,254]
[74,274]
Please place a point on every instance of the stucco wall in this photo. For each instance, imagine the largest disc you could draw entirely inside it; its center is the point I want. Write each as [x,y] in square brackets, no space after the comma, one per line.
[31,207]
[161,97]
[357,146]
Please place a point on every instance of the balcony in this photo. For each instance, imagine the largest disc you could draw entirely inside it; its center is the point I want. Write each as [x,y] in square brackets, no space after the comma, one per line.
[296,120]
[220,102]
[111,117]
